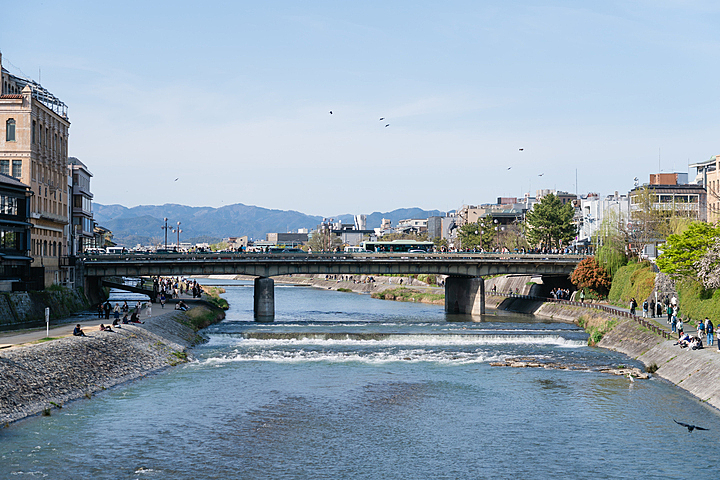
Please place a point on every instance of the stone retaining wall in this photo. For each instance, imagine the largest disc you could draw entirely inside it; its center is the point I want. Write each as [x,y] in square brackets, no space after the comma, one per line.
[25,309]
[74,367]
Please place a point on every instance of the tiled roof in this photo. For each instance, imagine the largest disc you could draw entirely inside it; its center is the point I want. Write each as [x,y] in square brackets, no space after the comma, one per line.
[8,180]
[12,95]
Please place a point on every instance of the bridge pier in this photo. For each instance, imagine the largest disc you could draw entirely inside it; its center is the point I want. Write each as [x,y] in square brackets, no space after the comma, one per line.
[264,299]
[465,295]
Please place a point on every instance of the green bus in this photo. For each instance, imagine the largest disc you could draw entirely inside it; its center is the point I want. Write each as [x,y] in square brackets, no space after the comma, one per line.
[399,246]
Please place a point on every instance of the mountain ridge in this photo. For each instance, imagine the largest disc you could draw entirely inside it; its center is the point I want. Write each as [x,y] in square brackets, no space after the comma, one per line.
[144,223]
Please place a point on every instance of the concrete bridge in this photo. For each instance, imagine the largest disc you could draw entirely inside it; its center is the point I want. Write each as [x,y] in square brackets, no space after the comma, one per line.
[464,288]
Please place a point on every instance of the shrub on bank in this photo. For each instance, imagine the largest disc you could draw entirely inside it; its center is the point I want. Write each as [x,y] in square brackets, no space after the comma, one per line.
[636,280]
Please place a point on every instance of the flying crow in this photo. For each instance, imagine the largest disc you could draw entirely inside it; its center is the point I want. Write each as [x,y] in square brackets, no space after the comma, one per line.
[690,427]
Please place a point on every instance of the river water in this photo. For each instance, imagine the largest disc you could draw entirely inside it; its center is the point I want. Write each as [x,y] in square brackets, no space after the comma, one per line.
[345,386]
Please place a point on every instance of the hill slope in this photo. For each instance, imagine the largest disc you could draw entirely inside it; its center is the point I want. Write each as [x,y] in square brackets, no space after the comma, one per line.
[143,224]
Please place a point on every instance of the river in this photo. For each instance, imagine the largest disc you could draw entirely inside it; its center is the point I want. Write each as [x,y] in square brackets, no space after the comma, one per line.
[345,386]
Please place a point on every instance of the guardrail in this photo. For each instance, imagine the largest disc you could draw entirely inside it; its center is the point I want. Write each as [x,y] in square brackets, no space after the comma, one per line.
[605,308]
[330,256]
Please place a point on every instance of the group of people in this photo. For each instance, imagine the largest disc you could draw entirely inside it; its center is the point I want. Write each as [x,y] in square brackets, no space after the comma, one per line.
[561,294]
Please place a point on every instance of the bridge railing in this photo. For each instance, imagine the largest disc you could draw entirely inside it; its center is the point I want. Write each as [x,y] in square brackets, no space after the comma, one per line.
[327,256]
[605,308]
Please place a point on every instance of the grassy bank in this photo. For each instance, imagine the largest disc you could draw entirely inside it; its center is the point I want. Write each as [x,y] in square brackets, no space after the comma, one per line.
[596,327]
[634,280]
[202,316]
[696,302]
[212,296]
[403,294]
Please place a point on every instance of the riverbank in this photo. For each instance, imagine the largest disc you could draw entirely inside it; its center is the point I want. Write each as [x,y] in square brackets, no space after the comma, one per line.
[38,378]
[359,283]
[695,371]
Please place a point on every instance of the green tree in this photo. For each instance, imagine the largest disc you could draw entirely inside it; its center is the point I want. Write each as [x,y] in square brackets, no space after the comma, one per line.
[550,223]
[681,252]
[478,235]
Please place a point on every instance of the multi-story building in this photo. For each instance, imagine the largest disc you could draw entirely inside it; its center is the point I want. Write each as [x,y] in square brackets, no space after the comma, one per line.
[670,193]
[14,234]
[82,225]
[708,175]
[594,210]
[33,148]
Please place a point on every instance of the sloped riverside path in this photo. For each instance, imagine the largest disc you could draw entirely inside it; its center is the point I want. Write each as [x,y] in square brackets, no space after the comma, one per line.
[46,375]
[696,371]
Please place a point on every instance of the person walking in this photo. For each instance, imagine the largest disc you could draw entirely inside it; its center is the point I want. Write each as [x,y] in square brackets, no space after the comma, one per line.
[709,330]
[669,314]
[679,327]
[646,306]
[633,306]
[700,329]
[652,308]
[582,296]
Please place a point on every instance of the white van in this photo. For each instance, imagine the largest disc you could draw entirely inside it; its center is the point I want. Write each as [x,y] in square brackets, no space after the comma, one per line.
[116,250]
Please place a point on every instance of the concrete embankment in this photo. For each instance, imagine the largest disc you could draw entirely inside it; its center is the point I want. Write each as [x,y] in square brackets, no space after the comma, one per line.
[696,371]
[47,375]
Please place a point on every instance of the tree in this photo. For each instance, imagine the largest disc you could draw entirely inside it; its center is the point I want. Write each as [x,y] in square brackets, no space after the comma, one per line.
[550,223]
[478,235]
[708,267]
[324,240]
[681,252]
[589,274]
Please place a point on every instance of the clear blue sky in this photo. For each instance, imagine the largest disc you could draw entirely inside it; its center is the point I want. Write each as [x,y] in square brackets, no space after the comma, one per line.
[232,98]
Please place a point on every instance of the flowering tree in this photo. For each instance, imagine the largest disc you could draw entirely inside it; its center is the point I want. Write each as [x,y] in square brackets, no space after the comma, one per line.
[589,274]
[708,267]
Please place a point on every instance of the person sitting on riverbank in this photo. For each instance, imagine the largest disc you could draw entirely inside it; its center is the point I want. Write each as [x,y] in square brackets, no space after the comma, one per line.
[134,318]
[116,323]
[103,328]
[77,331]
[181,306]
[125,320]
[683,341]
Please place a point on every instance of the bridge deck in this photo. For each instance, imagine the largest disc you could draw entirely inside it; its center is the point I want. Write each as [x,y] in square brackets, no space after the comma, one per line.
[267,265]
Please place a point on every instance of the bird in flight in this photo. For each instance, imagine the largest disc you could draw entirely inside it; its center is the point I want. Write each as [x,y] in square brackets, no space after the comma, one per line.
[522,149]
[382,118]
[540,175]
[177,179]
[387,125]
[509,168]
[690,427]
[330,112]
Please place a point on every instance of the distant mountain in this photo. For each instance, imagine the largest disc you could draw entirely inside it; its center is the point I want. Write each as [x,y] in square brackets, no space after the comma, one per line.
[143,224]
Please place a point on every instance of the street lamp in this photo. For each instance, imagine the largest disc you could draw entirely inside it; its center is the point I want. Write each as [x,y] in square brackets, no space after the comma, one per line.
[166,231]
[497,229]
[178,234]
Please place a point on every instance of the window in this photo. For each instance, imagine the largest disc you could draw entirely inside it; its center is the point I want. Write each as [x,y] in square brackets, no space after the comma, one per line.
[10,130]
[33,133]
[5,167]
[17,168]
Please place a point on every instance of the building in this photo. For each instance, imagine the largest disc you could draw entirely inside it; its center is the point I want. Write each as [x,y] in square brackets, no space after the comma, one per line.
[82,225]
[708,175]
[594,210]
[669,195]
[564,197]
[34,149]
[15,271]
[287,238]
[237,243]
